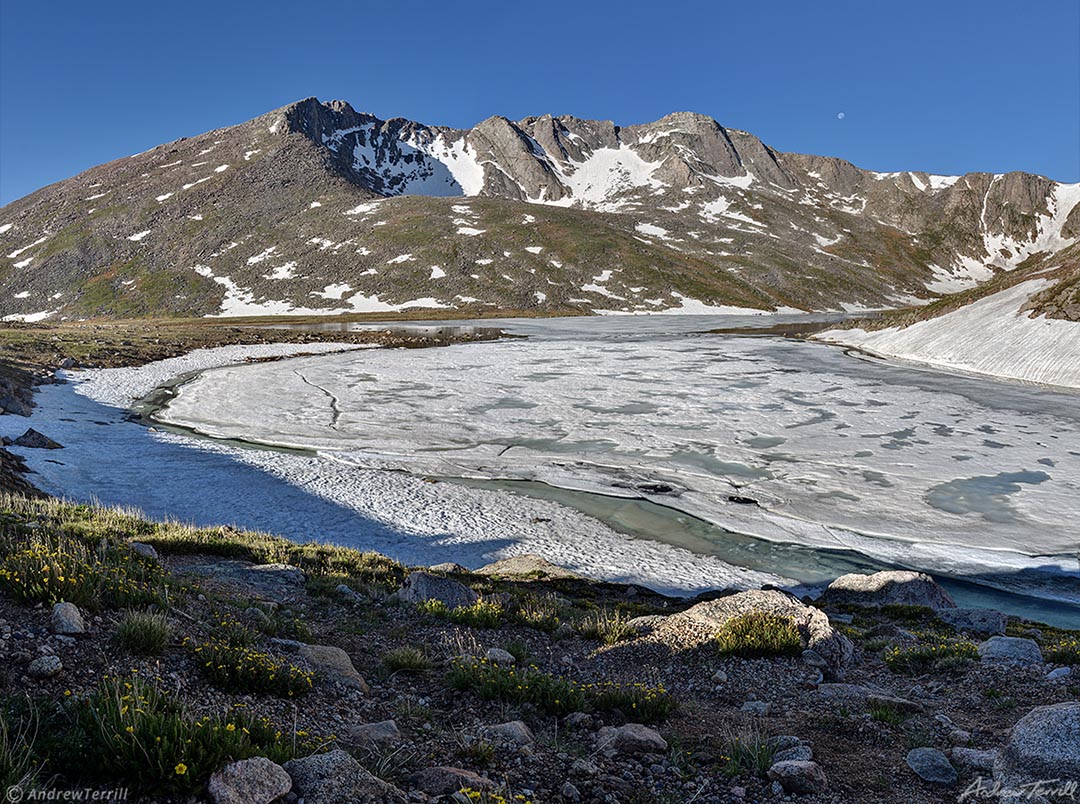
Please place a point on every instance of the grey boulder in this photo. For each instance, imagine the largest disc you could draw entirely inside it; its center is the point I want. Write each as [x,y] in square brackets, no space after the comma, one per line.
[889,588]
[931,765]
[337,778]
[815,630]
[799,776]
[974,621]
[45,667]
[1044,744]
[1010,649]
[249,781]
[633,738]
[423,587]
[66,619]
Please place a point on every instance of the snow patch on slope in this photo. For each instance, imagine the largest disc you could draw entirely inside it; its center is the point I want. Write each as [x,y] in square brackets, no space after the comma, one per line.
[990,336]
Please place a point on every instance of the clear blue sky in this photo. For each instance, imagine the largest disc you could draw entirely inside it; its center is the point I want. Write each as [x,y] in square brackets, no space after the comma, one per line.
[946,86]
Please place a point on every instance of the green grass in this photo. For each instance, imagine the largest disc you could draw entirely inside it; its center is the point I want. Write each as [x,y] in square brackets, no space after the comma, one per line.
[1063,651]
[45,567]
[746,750]
[18,767]
[607,626]
[759,634]
[941,656]
[245,670]
[559,696]
[481,614]
[883,712]
[406,660]
[144,633]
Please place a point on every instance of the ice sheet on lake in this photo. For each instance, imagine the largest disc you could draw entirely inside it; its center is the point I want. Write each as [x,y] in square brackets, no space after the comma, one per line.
[894,463]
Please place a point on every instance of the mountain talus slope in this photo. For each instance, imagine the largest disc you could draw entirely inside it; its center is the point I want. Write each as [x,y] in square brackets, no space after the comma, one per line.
[318,208]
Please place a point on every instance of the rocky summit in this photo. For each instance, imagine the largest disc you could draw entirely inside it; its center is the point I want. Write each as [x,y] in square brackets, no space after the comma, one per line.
[318,208]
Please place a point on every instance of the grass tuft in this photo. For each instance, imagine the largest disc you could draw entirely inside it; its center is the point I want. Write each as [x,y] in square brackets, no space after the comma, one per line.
[144,633]
[759,634]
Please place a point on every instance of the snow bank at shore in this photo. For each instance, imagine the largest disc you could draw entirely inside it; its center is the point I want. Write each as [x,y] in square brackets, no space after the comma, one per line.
[991,336]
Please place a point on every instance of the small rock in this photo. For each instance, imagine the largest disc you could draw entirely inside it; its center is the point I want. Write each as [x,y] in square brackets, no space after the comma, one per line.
[144,550]
[443,781]
[527,564]
[974,759]
[257,617]
[250,781]
[762,708]
[448,568]
[633,738]
[583,767]
[719,677]
[1010,649]
[814,659]
[366,735]
[569,792]
[514,733]
[334,664]
[799,776]
[931,765]
[45,667]
[578,720]
[66,619]
[500,656]
[350,594]
[1060,674]
[959,737]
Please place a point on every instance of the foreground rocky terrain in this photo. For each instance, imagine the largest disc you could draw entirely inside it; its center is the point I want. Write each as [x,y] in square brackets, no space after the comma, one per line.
[317,208]
[226,666]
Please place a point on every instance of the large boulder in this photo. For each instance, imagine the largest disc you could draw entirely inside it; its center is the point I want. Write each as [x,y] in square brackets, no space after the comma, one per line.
[32,439]
[423,587]
[337,778]
[1010,649]
[249,781]
[815,630]
[367,735]
[890,588]
[1044,744]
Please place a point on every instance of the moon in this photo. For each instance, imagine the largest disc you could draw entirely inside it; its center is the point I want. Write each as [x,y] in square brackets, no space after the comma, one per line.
[840,116]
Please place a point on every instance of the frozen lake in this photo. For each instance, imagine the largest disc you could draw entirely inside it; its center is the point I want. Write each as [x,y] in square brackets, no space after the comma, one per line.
[687,442]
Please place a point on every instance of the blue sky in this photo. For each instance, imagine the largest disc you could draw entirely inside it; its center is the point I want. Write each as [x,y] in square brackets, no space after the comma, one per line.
[947,86]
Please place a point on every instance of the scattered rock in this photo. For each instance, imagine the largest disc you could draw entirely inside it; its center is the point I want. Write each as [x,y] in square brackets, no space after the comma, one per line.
[443,781]
[528,564]
[421,587]
[974,759]
[32,439]
[145,551]
[931,765]
[334,664]
[1044,744]
[45,667]
[66,619]
[1059,674]
[514,733]
[1010,649]
[892,587]
[633,738]
[366,735]
[250,781]
[762,708]
[974,621]
[500,656]
[283,573]
[816,631]
[799,776]
[337,778]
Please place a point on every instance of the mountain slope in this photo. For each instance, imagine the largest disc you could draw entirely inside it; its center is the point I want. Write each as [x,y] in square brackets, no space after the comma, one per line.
[318,208]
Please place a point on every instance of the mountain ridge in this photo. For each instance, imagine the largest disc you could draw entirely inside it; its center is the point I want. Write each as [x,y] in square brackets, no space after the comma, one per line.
[318,208]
